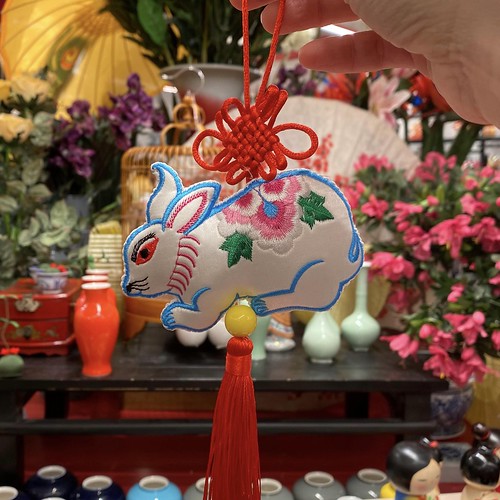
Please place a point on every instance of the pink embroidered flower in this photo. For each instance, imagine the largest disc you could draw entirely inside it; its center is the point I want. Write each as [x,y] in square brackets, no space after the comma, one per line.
[375,208]
[469,325]
[384,98]
[456,292]
[403,344]
[451,233]
[394,268]
[421,242]
[471,206]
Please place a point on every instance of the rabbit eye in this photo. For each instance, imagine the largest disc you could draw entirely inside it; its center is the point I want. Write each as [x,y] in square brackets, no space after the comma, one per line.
[144,249]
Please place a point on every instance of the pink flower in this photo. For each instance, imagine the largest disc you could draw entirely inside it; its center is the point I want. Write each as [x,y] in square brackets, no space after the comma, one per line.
[403,344]
[403,211]
[451,233]
[469,325]
[440,362]
[432,201]
[470,184]
[394,268]
[375,208]
[487,232]
[379,162]
[456,292]
[471,365]
[470,205]
[495,339]
[436,336]
[421,242]
[384,98]
[435,165]
[425,278]
[401,299]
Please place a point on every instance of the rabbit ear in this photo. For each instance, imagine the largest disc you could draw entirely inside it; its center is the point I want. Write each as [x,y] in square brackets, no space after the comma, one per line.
[168,186]
[191,207]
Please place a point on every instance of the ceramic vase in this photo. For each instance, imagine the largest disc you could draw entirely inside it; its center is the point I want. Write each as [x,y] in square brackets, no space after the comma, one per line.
[366,483]
[318,484]
[271,489]
[94,278]
[190,339]
[96,325]
[321,339]
[218,334]
[195,491]
[360,329]
[51,481]
[98,488]
[448,409]
[154,488]
[10,493]
[258,338]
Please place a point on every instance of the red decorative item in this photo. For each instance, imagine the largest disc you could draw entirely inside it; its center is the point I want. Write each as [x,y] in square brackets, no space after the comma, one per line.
[96,329]
[251,146]
[45,321]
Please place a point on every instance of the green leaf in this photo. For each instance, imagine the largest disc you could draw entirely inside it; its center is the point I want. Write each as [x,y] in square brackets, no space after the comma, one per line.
[150,14]
[53,237]
[39,192]
[34,227]
[237,245]
[8,205]
[313,209]
[59,214]
[16,187]
[43,218]
[24,239]
[32,171]
[41,135]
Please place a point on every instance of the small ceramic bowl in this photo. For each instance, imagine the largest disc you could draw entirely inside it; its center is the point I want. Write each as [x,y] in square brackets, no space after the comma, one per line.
[271,489]
[218,334]
[98,488]
[195,491]
[51,481]
[9,493]
[318,484]
[51,283]
[154,488]
[366,483]
[190,339]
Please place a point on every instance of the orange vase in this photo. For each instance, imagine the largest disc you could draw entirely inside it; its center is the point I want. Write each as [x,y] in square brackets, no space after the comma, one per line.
[94,278]
[96,329]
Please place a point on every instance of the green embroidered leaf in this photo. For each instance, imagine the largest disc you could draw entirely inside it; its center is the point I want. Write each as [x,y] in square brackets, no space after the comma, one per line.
[237,246]
[313,209]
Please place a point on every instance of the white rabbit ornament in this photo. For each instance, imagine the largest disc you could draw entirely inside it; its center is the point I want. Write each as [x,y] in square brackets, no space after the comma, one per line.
[285,244]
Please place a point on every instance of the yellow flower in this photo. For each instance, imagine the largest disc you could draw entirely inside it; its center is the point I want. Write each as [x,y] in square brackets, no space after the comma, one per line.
[12,127]
[29,87]
[4,89]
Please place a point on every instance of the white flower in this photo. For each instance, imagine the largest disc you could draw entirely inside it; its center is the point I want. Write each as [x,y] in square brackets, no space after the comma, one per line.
[384,98]
[294,41]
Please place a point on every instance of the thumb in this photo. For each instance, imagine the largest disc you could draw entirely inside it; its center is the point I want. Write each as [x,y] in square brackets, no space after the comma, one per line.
[418,26]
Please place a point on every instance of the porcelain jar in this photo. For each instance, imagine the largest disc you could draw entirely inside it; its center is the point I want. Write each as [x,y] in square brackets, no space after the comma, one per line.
[10,493]
[218,334]
[98,488]
[321,339]
[272,489]
[190,339]
[195,491]
[366,483]
[154,488]
[50,481]
[318,484]
[94,278]
[360,329]
[96,324]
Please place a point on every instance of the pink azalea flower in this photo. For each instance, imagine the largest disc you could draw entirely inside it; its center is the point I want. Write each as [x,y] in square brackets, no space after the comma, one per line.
[384,98]
[438,337]
[434,164]
[440,362]
[451,233]
[470,184]
[401,299]
[379,162]
[394,268]
[403,344]
[456,292]
[495,339]
[421,242]
[469,325]
[472,365]
[403,211]
[432,201]
[375,208]
[488,233]
[425,278]
[471,206]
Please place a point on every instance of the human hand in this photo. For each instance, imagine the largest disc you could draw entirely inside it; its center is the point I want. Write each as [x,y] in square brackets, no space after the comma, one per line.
[453,42]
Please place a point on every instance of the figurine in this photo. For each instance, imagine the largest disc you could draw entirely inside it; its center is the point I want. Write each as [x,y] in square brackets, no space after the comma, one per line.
[414,470]
[485,436]
[480,468]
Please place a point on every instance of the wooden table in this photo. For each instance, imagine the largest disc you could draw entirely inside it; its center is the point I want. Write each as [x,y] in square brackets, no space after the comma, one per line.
[155,361]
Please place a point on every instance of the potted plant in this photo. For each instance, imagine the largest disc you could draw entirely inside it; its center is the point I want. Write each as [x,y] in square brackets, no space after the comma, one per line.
[50,278]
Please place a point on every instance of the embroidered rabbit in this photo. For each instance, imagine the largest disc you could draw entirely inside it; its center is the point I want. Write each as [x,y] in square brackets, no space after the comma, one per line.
[286,244]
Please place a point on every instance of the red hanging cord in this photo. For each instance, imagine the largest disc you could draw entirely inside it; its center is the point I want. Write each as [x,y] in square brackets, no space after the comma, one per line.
[251,147]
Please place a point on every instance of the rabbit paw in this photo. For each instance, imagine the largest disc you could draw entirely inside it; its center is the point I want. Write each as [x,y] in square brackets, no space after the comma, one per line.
[168,319]
[259,306]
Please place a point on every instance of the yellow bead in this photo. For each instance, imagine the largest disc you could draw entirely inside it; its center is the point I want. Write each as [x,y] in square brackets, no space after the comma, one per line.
[240,321]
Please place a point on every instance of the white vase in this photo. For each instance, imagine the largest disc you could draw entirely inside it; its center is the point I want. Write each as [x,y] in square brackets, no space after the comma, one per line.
[321,339]
[360,329]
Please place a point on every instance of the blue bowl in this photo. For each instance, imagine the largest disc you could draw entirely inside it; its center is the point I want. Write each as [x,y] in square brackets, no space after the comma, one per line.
[154,488]
[50,481]
[98,488]
[10,493]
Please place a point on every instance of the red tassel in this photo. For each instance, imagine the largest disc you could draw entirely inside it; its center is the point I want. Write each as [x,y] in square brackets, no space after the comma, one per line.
[233,465]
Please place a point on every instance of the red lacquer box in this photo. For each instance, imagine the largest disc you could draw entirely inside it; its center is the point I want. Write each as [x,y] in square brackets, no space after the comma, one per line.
[45,321]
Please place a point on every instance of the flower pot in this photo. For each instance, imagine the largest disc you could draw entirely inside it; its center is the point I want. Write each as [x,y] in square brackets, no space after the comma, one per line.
[98,488]
[51,481]
[154,488]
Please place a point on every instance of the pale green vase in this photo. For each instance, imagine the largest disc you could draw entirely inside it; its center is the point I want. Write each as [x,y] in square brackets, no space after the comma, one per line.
[321,339]
[360,329]
[258,338]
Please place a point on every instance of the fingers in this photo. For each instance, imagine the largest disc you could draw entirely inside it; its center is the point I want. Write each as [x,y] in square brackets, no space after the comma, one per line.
[364,51]
[252,4]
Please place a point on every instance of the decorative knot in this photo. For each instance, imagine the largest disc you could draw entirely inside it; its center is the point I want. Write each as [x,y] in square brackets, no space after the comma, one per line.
[251,147]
